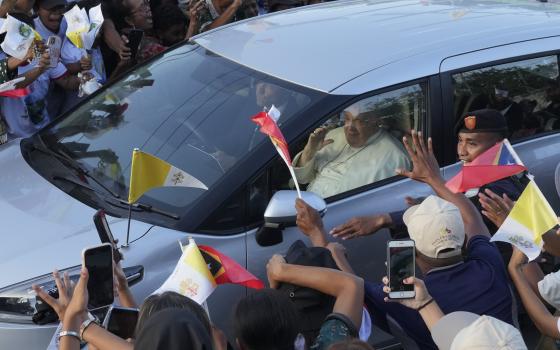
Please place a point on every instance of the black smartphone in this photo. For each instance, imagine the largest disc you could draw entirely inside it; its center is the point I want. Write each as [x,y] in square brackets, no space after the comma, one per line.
[401,265]
[105,234]
[134,37]
[99,262]
[121,321]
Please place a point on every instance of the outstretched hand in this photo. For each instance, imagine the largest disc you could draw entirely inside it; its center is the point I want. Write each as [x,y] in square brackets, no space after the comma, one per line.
[273,270]
[310,223]
[64,287]
[425,167]
[494,207]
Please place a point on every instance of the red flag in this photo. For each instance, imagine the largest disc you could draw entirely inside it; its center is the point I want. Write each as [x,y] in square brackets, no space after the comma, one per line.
[270,128]
[16,93]
[226,270]
[498,162]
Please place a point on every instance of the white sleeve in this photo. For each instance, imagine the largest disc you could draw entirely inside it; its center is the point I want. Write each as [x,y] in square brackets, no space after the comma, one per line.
[549,288]
[57,72]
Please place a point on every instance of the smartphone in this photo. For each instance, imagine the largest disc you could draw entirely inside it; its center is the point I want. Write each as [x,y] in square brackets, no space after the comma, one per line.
[135,37]
[401,265]
[121,321]
[99,262]
[105,234]
[54,44]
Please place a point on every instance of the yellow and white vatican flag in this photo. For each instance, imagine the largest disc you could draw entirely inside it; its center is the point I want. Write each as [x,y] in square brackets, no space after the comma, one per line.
[191,276]
[95,22]
[78,23]
[19,37]
[530,218]
[149,172]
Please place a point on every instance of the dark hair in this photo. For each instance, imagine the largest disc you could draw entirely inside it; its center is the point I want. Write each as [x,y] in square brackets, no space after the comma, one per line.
[266,319]
[167,15]
[116,11]
[23,18]
[350,344]
[170,300]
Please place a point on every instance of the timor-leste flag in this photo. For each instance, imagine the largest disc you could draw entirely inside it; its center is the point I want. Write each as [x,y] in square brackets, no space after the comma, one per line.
[498,162]
[268,126]
[226,270]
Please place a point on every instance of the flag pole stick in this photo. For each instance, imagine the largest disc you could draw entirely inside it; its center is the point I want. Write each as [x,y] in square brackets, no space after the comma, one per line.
[128,228]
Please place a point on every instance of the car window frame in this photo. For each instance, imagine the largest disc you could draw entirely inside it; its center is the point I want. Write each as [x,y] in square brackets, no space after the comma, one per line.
[426,123]
[450,139]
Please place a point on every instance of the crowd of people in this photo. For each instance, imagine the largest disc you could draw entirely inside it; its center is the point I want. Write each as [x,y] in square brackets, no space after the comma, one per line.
[467,290]
[54,89]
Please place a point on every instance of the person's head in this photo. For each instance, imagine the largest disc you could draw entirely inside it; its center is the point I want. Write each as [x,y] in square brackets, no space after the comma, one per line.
[360,123]
[350,344]
[170,300]
[173,329]
[437,228]
[170,24]
[50,13]
[268,94]
[265,319]
[477,131]
[465,330]
[24,6]
[553,90]
[138,14]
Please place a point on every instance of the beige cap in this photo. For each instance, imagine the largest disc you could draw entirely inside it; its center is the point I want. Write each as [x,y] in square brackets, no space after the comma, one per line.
[436,225]
[465,330]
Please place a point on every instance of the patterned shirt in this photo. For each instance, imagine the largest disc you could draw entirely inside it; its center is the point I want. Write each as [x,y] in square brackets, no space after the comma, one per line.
[336,328]
[208,13]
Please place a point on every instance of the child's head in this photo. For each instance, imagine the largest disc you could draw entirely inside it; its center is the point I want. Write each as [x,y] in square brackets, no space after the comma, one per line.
[266,319]
[170,300]
[170,24]
[50,13]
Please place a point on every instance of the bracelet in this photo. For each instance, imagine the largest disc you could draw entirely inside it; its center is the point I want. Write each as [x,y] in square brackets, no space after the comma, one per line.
[69,333]
[425,304]
[84,326]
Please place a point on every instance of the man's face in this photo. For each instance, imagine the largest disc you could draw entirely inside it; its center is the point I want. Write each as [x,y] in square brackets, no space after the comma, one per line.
[471,145]
[268,94]
[358,128]
[51,18]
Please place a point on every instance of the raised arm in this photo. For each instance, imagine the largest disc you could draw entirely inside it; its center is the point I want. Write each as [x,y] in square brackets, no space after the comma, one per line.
[426,169]
[348,289]
[546,323]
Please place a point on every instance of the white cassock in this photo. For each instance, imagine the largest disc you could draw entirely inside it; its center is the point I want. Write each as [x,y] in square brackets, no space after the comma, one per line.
[338,167]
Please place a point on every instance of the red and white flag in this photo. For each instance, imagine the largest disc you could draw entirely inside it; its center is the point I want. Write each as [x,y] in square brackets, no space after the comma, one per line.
[267,122]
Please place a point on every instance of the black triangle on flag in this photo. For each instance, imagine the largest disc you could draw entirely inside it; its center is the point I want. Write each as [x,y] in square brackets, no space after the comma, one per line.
[214,265]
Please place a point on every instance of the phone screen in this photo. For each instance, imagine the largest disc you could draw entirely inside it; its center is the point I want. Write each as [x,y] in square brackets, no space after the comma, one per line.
[401,267]
[99,262]
[122,322]
[134,39]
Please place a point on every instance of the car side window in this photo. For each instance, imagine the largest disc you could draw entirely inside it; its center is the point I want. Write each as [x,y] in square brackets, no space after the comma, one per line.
[358,145]
[526,92]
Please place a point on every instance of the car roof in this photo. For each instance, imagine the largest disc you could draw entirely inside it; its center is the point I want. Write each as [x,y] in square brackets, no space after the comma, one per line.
[327,45]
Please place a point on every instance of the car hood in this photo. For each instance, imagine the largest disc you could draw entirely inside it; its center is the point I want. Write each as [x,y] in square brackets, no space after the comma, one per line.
[42,227]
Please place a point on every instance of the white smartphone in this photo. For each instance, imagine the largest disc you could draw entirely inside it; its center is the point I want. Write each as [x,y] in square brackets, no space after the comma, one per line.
[99,262]
[54,44]
[401,265]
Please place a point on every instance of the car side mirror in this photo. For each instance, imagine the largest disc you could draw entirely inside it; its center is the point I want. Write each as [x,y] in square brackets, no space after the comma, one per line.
[281,213]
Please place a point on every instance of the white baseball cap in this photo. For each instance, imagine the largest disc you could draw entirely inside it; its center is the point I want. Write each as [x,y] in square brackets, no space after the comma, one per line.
[464,330]
[437,228]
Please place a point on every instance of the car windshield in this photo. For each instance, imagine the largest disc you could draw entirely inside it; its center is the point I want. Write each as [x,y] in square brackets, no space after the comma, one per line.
[189,107]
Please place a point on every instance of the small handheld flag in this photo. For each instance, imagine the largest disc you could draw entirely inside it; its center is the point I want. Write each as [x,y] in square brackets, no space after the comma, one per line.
[149,172]
[8,89]
[530,218]
[83,29]
[191,276]
[496,163]
[267,122]
[19,37]
[226,270]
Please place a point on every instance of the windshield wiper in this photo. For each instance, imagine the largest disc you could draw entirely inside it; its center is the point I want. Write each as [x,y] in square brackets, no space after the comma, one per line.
[145,207]
[73,164]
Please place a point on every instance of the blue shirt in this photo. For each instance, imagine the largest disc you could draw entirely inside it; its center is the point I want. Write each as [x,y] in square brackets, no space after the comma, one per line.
[479,285]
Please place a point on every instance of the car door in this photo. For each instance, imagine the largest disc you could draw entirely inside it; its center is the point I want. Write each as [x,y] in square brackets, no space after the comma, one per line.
[520,80]
[402,108]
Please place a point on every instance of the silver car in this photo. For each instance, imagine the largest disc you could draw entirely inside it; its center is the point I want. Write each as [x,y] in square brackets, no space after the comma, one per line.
[423,63]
